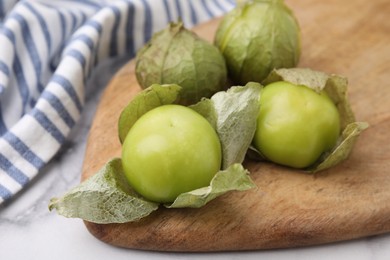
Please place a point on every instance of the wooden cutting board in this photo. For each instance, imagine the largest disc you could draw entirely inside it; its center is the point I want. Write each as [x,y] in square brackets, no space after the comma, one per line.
[289,208]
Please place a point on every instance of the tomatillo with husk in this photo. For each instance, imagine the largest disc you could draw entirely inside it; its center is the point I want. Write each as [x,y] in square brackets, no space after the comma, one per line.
[170,150]
[177,55]
[256,37]
[295,124]
[293,111]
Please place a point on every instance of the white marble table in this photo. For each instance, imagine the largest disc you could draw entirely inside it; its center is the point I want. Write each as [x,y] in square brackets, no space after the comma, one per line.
[29,231]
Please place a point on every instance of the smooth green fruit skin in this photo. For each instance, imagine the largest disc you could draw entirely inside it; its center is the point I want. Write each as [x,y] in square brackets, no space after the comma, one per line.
[170,150]
[295,124]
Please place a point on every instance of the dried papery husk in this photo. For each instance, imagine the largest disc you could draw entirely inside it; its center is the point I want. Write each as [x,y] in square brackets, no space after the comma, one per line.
[177,55]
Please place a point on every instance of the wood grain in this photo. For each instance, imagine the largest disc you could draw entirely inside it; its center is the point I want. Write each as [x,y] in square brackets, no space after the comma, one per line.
[289,208]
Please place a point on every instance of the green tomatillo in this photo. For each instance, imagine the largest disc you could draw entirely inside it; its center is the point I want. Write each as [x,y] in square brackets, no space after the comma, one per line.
[177,55]
[256,37]
[170,150]
[295,124]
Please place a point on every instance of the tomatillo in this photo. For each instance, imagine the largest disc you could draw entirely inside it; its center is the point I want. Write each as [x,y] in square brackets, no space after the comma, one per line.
[170,150]
[295,124]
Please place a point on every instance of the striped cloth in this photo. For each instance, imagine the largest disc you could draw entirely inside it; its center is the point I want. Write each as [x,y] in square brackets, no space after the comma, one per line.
[48,49]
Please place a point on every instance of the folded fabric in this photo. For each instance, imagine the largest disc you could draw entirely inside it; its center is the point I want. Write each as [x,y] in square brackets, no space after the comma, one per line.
[47,52]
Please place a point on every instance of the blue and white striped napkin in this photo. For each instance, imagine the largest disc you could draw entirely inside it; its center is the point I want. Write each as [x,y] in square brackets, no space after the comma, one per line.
[48,49]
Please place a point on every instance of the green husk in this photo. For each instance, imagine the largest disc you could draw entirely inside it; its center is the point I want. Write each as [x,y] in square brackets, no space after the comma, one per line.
[256,37]
[235,177]
[177,55]
[154,96]
[234,114]
[106,197]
